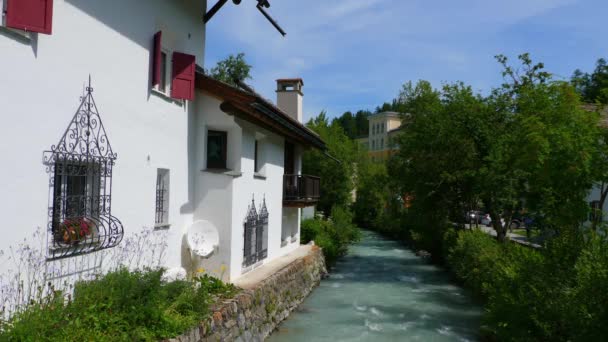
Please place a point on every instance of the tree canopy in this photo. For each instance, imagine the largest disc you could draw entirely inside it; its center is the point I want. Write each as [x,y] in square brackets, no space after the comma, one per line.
[593,87]
[231,70]
[528,145]
[337,178]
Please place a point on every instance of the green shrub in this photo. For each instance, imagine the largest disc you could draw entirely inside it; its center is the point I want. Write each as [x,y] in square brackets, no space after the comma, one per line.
[119,306]
[555,294]
[332,235]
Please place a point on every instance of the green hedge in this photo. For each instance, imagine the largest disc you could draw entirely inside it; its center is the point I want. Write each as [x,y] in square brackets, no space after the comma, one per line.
[119,306]
[332,235]
[556,294]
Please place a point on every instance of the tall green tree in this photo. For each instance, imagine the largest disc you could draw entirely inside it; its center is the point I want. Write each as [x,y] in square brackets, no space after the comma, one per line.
[348,123]
[593,87]
[527,144]
[362,122]
[231,70]
[337,177]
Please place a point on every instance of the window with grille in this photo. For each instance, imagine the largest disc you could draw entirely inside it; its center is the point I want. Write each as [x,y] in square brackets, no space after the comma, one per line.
[80,187]
[162,199]
[255,246]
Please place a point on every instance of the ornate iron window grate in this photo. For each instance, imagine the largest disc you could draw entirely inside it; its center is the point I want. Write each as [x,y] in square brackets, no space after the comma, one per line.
[256,235]
[162,192]
[80,187]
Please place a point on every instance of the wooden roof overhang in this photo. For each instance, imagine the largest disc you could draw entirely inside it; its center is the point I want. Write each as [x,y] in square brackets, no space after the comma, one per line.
[253,108]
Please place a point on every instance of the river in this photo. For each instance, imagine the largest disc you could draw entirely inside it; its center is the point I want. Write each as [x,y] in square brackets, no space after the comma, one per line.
[382,291]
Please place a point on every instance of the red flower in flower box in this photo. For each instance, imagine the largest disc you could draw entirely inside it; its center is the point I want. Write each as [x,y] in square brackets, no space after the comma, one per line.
[72,231]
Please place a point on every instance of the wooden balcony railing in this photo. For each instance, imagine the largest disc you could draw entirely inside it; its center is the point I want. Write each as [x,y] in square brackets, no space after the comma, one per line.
[301,191]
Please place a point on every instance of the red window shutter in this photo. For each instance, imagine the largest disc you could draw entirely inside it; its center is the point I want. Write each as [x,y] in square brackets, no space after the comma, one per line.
[182,82]
[30,15]
[156,59]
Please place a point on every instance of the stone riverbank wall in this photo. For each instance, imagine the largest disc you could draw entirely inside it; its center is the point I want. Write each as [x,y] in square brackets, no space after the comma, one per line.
[254,313]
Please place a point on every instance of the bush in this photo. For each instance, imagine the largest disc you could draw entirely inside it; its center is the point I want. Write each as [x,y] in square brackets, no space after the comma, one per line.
[556,294]
[332,235]
[120,306]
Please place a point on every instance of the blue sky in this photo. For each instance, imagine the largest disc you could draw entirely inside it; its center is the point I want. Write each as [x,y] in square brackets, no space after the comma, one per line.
[356,54]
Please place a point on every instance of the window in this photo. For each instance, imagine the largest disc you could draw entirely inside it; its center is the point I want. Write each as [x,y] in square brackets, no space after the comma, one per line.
[80,187]
[76,191]
[182,69]
[255,244]
[159,65]
[373,145]
[256,156]
[216,149]
[382,144]
[162,198]
[162,85]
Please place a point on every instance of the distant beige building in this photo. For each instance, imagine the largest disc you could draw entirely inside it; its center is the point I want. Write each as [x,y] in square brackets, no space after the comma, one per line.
[382,129]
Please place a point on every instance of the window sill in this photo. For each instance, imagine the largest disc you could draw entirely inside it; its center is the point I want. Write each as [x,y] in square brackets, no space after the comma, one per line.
[166,97]
[226,172]
[162,226]
[23,36]
[258,175]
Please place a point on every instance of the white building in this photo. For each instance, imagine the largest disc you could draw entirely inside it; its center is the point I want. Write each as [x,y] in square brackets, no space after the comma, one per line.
[175,150]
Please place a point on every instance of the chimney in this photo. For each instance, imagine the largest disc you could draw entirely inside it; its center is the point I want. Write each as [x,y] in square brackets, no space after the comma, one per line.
[289,97]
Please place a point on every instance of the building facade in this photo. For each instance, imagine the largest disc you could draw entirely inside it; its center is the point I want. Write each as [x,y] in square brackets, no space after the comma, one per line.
[380,127]
[110,126]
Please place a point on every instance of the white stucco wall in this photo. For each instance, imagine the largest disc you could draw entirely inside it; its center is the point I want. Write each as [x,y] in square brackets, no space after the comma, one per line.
[224,199]
[39,93]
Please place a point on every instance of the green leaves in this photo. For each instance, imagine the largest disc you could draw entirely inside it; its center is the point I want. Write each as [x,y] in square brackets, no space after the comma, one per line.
[120,306]
[231,70]
[337,181]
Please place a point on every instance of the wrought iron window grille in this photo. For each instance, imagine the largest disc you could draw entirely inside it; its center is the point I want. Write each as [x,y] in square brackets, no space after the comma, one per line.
[256,234]
[162,192]
[80,186]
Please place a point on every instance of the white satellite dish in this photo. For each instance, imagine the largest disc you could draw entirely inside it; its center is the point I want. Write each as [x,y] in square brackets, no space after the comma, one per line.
[203,238]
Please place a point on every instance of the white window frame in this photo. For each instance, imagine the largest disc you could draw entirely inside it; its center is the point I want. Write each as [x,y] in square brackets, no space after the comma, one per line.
[19,34]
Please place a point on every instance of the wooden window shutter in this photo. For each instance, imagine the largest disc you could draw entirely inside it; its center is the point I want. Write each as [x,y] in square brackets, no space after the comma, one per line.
[156,59]
[30,15]
[182,81]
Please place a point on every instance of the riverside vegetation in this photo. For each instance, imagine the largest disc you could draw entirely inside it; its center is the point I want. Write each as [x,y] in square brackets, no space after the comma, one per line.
[531,144]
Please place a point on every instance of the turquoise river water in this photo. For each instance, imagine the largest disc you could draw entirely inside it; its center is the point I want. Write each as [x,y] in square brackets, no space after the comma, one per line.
[382,291]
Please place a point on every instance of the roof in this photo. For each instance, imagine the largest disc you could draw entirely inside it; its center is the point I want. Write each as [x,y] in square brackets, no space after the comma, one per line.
[392,114]
[248,105]
[291,80]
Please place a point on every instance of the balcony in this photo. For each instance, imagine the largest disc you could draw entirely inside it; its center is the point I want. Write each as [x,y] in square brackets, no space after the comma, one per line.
[300,191]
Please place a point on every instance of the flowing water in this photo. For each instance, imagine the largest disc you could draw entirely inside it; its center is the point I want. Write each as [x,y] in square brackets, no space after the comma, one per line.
[382,291]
